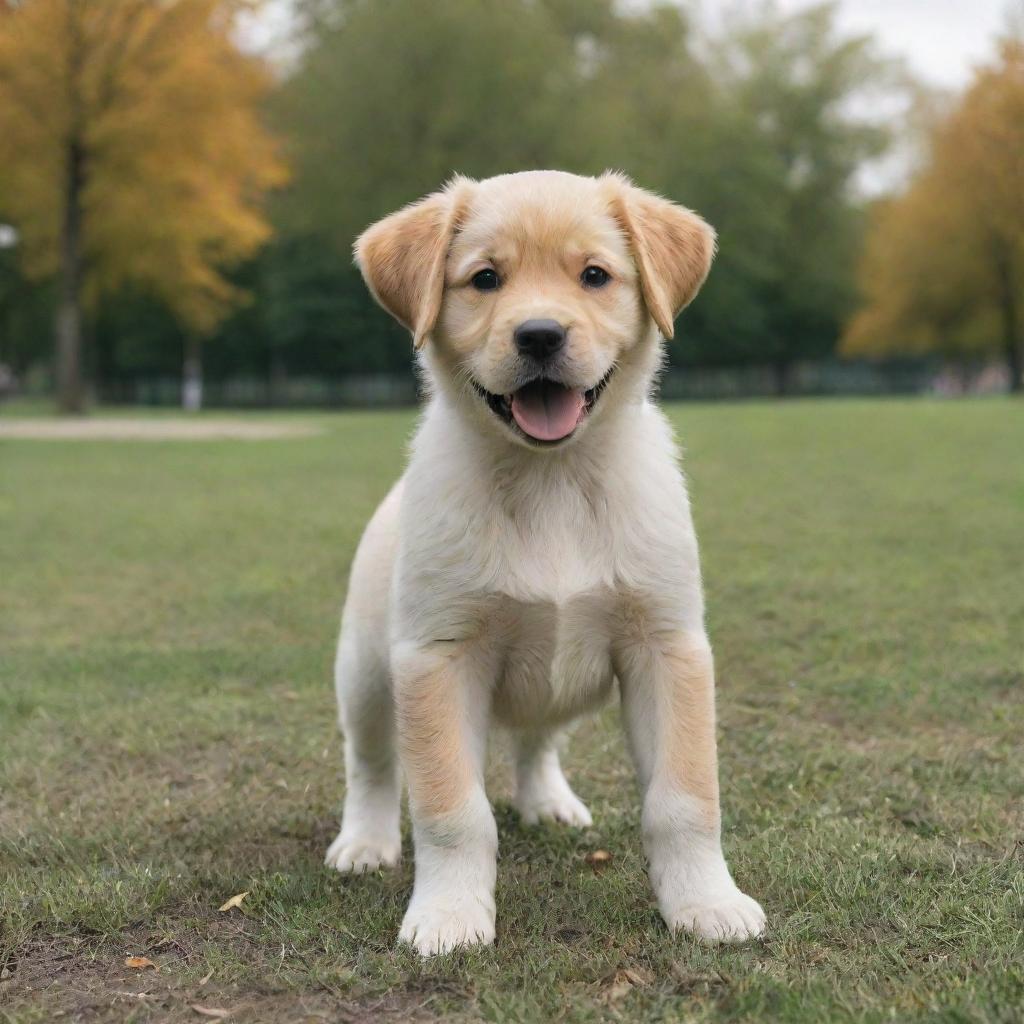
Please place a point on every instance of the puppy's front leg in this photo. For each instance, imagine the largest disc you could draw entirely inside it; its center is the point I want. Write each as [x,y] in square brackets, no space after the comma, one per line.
[668,700]
[442,703]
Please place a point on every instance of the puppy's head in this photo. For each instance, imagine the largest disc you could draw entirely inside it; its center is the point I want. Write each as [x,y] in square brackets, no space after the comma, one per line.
[533,293]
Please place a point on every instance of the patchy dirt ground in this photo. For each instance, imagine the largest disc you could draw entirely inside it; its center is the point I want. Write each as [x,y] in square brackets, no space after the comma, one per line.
[92,981]
[125,429]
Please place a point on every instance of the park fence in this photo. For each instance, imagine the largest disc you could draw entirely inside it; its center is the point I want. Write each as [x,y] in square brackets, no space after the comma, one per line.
[703,383]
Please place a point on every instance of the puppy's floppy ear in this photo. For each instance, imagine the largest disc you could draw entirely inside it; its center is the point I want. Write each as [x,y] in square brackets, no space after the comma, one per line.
[402,257]
[673,248]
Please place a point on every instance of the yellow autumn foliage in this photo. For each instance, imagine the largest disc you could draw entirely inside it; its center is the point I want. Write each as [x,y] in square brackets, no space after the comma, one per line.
[175,162]
[943,267]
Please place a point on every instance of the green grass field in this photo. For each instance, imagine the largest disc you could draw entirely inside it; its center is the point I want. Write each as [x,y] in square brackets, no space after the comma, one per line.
[167,738]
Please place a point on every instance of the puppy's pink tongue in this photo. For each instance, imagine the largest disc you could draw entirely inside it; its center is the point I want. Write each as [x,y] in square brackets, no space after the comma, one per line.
[547,411]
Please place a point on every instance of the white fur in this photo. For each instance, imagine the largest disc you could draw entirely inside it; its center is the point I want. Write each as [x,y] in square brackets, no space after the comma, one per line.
[688,872]
[534,566]
[453,897]
[542,792]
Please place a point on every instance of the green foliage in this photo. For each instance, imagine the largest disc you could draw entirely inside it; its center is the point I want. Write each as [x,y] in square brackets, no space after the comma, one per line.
[754,131]
[24,315]
[790,244]
[397,97]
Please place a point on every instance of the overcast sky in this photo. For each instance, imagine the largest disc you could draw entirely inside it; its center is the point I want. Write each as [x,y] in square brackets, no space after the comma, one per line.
[941,39]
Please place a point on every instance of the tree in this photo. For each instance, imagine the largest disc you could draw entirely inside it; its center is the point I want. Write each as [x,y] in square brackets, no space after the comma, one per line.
[391,98]
[801,122]
[756,128]
[394,96]
[132,153]
[760,125]
[943,268]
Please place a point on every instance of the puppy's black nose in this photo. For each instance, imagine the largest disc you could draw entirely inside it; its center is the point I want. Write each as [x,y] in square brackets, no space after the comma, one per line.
[540,339]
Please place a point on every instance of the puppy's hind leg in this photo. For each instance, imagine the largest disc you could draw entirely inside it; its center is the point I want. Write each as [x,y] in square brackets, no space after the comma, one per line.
[542,790]
[369,836]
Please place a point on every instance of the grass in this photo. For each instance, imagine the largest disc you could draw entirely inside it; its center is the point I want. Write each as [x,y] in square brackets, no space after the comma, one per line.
[167,738]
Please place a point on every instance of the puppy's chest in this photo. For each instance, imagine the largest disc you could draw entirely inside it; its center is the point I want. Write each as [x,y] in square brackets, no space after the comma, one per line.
[554,657]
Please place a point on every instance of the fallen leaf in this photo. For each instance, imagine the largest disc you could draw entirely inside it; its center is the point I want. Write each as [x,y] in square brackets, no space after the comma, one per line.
[638,976]
[206,978]
[211,1011]
[235,901]
[623,982]
[138,963]
[5,974]
[598,859]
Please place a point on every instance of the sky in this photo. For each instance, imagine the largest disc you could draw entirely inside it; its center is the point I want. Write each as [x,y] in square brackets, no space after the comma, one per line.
[940,39]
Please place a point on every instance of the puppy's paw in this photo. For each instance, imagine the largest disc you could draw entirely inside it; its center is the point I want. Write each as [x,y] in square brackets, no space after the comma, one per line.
[565,808]
[733,917]
[359,853]
[439,926]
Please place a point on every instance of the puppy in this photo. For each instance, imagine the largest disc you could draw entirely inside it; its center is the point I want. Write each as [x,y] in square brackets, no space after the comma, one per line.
[538,550]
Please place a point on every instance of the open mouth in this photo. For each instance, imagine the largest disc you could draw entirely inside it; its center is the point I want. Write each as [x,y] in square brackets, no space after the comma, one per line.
[544,411]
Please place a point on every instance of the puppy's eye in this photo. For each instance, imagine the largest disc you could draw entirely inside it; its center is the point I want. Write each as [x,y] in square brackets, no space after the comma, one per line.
[595,277]
[485,280]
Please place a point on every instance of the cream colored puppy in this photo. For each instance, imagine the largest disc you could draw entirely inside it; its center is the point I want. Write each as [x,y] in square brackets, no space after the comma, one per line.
[538,549]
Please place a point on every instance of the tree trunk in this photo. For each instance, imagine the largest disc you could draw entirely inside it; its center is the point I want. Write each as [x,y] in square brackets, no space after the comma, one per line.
[1011,321]
[1015,365]
[70,389]
[1010,313]
[192,375]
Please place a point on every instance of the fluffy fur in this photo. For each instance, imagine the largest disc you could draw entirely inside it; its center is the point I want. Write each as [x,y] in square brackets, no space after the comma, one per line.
[501,580]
